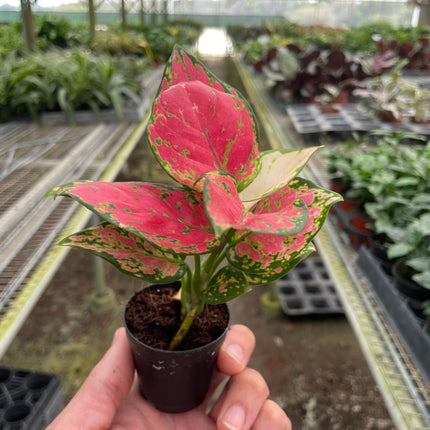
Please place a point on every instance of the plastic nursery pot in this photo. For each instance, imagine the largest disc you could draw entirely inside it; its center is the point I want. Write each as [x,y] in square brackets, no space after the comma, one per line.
[405,284]
[174,381]
[379,249]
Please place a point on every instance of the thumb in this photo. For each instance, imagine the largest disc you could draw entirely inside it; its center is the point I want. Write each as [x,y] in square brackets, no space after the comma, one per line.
[95,404]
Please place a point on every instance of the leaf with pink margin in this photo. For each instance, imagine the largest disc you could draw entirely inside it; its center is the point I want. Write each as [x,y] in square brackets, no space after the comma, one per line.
[183,67]
[266,277]
[227,284]
[269,254]
[195,129]
[128,253]
[278,167]
[165,139]
[281,213]
[171,218]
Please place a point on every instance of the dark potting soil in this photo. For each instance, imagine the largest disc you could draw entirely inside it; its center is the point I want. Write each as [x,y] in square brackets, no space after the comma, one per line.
[153,317]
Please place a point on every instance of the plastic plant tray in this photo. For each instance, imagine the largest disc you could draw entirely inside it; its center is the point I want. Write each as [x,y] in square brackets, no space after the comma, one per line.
[308,118]
[28,400]
[308,289]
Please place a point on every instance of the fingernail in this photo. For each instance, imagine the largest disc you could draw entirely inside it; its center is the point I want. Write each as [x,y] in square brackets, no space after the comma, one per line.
[115,336]
[234,418]
[235,352]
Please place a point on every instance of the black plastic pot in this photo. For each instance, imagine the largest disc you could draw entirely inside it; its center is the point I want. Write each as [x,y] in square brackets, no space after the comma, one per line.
[379,249]
[174,381]
[405,284]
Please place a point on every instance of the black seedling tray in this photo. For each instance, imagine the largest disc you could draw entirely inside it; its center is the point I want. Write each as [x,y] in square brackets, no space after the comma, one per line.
[28,400]
[308,289]
[308,118]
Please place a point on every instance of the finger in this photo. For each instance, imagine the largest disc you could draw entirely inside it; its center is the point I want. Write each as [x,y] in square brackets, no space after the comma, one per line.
[239,406]
[95,404]
[236,350]
[271,417]
[232,358]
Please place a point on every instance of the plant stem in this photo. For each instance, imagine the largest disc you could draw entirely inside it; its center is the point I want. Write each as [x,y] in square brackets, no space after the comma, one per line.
[192,286]
[196,281]
[185,326]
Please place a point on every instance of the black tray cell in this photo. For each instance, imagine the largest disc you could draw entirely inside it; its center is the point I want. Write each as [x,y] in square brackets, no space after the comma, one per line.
[28,400]
[308,289]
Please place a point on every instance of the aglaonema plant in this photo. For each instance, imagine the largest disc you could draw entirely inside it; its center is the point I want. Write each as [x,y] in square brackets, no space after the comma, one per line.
[243,216]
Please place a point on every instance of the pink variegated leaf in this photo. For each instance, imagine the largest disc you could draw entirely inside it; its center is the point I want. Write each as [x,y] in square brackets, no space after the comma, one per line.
[184,67]
[227,284]
[222,203]
[278,167]
[195,129]
[171,218]
[200,124]
[266,277]
[128,253]
[269,254]
[281,213]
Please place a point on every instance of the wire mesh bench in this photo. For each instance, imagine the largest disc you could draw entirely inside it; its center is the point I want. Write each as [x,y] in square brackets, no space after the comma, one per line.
[32,160]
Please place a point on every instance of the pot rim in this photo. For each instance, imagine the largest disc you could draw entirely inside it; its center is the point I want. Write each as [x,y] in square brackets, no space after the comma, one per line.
[174,352]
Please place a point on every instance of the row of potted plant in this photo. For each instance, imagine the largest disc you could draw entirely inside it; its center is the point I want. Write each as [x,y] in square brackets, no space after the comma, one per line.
[324,76]
[387,180]
[72,73]
[393,98]
[417,52]
[58,32]
[68,81]
[51,31]
[155,41]
[318,75]
[355,39]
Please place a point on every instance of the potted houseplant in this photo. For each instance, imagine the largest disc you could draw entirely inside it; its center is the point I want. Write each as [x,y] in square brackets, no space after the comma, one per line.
[412,250]
[388,95]
[237,217]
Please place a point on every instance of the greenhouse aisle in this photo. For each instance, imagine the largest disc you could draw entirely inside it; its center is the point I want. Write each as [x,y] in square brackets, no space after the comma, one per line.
[314,365]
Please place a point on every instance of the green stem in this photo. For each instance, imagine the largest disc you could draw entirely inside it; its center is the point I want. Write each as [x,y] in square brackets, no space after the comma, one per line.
[185,326]
[196,279]
[186,294]
[192,286]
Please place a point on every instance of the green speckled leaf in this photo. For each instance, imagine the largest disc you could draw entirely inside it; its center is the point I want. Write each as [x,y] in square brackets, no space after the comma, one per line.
[280,213]
[265,253]
[199,124]
[266,277]
[128,253]
[171,218]
[227,284]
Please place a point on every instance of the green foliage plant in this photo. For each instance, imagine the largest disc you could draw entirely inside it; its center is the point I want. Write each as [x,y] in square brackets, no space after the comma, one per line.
[163,38]
[11,40]
[118,43]
[67,81]
[56,31]
[413,247]
[243,217]
[390,179]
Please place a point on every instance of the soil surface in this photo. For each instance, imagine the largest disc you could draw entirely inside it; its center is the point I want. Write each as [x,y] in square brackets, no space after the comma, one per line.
[153,316]
[314,366]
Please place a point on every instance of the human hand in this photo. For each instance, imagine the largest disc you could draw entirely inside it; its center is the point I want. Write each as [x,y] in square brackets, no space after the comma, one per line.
[109,398]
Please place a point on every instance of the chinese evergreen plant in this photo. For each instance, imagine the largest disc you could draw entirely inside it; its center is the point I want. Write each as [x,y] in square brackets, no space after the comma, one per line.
[244,216]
